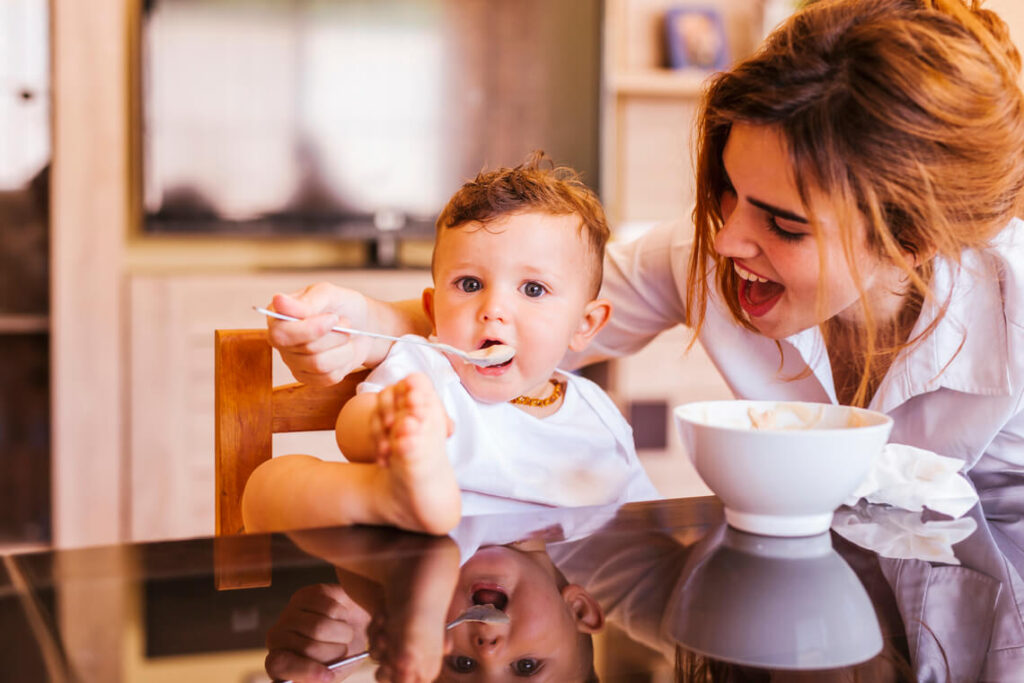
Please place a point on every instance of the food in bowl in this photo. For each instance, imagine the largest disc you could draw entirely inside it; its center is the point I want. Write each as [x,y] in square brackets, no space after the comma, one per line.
[781,467]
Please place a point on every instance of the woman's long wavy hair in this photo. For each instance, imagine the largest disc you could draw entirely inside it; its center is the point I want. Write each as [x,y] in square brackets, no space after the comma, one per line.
[908,114]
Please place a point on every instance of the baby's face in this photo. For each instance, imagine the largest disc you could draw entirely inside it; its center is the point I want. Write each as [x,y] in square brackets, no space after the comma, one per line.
[523,280]
[541,639]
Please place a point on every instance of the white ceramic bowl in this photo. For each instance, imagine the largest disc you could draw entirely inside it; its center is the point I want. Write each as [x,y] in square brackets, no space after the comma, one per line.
[786,476]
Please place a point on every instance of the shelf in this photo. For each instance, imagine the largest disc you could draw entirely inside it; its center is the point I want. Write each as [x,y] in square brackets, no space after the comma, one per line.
[660,82]
[24,324]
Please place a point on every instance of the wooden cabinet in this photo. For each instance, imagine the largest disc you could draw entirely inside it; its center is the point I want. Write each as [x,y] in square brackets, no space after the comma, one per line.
[24,284]
[649,108]
[170,384]
[25,373]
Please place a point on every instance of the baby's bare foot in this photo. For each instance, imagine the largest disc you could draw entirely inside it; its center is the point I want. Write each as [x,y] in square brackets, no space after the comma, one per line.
[421,492]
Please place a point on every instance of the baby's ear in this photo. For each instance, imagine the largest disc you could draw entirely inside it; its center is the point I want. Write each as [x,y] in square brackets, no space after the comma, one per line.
[427,300]
[595,316]
[585,610]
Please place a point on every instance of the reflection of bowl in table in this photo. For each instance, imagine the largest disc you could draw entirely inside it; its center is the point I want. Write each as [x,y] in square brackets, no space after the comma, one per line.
[782,478]
[776,603]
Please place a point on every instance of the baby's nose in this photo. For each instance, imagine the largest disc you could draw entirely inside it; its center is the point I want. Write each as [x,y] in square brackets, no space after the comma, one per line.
[493,309]
[484,640]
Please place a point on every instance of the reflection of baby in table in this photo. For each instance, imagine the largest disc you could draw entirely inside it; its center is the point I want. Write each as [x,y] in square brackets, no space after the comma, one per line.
[700,38]
[396,591]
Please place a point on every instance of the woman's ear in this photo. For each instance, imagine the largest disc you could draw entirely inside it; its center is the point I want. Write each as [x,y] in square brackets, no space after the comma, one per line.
[585,610]
[596,315]
[428,306]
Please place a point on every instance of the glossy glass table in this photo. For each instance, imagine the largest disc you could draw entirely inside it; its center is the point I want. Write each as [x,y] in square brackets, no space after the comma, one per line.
[648,592]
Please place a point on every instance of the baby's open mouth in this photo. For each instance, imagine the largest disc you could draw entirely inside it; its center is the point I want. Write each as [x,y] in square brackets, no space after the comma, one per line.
[490,596]
[486,343]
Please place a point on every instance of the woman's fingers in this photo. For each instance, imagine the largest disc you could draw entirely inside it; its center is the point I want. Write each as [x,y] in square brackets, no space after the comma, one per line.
[314,353]
[320,623]
[285,665]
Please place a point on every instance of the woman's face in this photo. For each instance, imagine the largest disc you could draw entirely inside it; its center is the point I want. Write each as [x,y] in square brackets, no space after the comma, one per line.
[774,250]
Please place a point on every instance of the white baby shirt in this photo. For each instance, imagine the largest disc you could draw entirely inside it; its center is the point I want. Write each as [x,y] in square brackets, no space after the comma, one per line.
[505,459]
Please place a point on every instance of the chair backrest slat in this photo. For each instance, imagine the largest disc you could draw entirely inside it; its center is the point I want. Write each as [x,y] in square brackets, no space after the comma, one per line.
[249,410]
[244,418]
[301,408]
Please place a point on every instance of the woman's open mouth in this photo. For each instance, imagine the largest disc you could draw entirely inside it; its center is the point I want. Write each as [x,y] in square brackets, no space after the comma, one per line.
[757,294]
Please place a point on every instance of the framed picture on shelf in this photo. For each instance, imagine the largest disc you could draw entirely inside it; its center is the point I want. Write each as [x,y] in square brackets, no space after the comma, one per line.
[695,38]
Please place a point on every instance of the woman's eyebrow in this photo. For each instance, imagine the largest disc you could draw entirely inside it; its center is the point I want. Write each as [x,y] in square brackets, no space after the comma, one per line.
[776,211]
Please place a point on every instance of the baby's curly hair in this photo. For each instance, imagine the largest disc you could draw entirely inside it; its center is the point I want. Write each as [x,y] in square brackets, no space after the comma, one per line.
[536,185]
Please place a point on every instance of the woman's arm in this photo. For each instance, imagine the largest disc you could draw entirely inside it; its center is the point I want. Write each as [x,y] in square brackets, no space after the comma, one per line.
[645,281]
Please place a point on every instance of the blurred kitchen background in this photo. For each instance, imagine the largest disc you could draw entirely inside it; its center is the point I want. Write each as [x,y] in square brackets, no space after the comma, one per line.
[165,164]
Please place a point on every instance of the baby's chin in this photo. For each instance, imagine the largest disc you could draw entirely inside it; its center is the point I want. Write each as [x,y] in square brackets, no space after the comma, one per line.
[486,389]
[489,395]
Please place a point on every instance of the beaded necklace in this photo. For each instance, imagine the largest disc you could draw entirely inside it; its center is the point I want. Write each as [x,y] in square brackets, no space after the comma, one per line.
[540,402]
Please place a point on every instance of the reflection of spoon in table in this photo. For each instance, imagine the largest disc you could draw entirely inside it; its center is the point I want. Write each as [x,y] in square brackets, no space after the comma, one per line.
[486,614]
[485,357]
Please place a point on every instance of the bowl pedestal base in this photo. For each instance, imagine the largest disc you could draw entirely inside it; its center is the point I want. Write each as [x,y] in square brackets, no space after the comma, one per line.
[779,525]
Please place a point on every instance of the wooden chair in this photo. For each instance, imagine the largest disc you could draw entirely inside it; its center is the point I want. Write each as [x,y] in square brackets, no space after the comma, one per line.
[248,411]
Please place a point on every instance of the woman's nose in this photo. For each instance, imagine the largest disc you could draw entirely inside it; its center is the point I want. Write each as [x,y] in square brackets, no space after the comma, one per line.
[737,238]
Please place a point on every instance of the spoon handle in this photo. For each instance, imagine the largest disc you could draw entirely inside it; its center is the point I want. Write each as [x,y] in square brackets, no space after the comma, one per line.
[377,335]
[336,328]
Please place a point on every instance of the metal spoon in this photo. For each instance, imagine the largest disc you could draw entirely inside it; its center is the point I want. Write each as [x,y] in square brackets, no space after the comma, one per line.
[485,614]
[492,355]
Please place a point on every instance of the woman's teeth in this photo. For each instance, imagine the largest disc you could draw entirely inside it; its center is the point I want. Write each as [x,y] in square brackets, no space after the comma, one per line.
[746,274]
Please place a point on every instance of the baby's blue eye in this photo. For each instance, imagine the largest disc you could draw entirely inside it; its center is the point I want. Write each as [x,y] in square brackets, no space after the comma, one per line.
[533,289]
[468,284]
[462,664]
[525,667]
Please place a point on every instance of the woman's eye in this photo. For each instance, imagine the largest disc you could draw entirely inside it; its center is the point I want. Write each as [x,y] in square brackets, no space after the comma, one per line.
[534,289]
[782,233]
[462,664]
[525,667]
[468,284]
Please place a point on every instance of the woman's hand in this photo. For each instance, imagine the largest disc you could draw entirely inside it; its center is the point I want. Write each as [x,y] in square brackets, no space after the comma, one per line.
[314,354]
[321,623]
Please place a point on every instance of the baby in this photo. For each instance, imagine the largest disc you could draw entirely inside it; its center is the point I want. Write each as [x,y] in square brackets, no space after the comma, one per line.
[398,591]
[517,261]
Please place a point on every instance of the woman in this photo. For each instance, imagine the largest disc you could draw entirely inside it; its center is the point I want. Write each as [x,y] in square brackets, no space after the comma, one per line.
[854,241]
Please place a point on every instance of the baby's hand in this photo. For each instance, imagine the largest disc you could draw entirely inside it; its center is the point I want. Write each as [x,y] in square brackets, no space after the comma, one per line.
[406,407]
